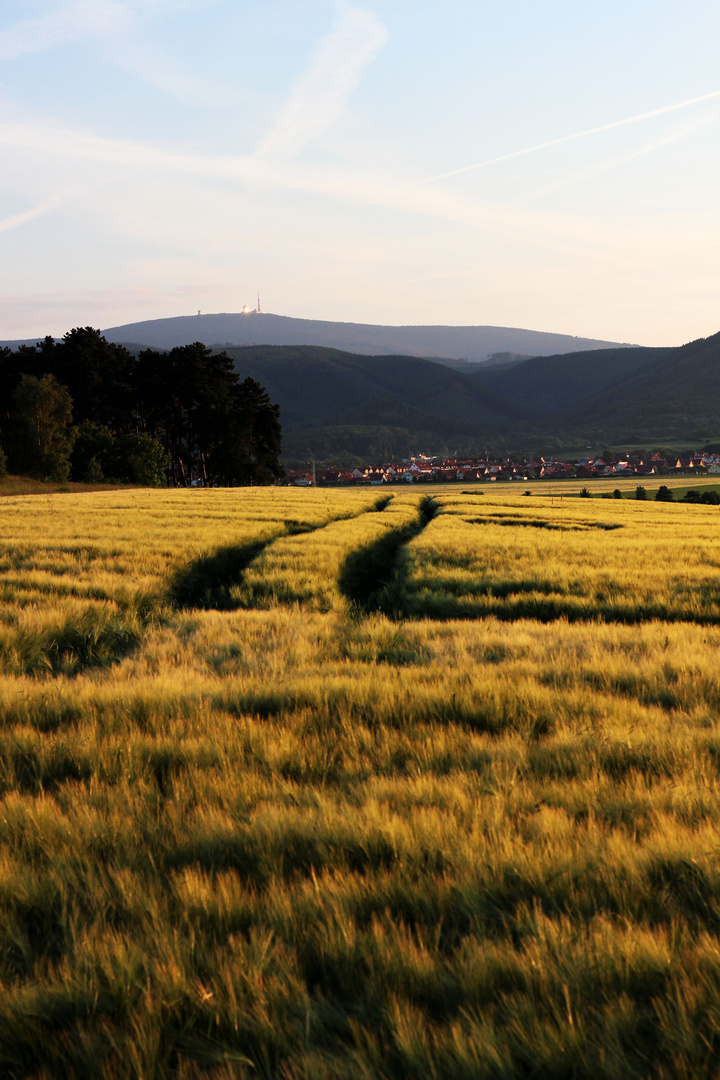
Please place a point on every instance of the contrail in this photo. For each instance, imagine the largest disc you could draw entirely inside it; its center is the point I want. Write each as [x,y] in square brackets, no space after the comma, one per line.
[577,135]
[319,97]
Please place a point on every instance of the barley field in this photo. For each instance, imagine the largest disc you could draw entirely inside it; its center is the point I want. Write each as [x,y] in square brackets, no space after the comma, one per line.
[365,784]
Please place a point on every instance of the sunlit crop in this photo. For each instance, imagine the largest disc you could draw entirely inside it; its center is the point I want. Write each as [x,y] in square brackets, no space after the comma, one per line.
[295,784]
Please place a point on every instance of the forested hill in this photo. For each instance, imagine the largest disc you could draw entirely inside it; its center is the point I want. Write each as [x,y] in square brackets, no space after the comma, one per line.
[338,405]
[333,402]
[548,386]
[615,394]
[443,343]
[677,394]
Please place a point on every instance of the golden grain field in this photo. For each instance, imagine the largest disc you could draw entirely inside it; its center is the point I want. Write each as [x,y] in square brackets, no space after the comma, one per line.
[346,784]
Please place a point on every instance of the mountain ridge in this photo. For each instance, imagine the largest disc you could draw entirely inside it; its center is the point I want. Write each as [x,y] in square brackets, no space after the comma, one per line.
[473,344]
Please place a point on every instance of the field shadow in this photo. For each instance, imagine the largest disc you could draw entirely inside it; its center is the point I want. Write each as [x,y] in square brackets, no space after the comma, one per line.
[99,638]
[542,523]
[515,604]
[208,583]
[374,577]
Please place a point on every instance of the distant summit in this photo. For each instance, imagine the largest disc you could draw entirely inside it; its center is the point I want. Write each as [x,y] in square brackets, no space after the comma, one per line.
[471,344]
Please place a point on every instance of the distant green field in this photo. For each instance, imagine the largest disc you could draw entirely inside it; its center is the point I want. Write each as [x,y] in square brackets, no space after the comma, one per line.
[359,783]
[596,486]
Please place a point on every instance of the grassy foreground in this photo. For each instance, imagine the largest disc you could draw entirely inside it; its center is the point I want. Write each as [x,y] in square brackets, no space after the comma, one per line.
[312,785]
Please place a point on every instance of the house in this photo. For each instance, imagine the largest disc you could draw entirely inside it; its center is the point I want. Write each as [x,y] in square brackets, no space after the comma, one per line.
[373,475]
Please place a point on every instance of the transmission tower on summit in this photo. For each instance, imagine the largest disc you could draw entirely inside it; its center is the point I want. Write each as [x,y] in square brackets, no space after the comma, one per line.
[258,307]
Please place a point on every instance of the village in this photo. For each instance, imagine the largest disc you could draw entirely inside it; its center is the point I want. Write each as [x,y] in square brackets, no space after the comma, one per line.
[422,469]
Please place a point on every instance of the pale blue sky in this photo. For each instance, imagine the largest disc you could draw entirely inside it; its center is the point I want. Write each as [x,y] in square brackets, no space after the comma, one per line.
[165,156]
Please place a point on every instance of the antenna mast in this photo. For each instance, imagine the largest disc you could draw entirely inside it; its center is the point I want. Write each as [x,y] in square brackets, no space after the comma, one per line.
[258,307]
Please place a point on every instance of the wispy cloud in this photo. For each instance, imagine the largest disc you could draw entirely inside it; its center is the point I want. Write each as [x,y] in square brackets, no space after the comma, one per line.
[558,230]
[578,135]
[16,220]
[319,96]
[263,173]
[73,20]
[67,22]
[175,79]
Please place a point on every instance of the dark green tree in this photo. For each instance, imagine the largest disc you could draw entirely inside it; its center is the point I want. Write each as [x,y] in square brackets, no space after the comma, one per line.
[664,494]
[250,452]
[640,493]
[93,473]
[98,374]
[212,426]
[93,452]
[130,459]
[41,438]
[185,397]
[139,459]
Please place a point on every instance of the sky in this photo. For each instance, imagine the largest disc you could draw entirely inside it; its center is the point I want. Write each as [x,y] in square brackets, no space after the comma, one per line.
[553,166]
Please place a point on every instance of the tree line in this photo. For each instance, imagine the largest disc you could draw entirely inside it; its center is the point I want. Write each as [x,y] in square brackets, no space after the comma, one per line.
[86,409]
